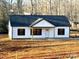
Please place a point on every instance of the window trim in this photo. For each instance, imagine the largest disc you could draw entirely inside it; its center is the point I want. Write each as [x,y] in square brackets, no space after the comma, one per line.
[36,32]
[61,33]
[22,34]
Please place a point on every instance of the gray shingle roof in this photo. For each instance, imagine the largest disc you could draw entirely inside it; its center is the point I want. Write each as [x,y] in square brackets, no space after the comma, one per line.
[27,20]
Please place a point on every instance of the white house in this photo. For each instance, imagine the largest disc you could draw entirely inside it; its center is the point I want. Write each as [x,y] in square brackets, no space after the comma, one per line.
[38,26]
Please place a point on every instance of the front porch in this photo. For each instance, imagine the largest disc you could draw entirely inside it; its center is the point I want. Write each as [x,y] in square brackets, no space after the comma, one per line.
[41,32]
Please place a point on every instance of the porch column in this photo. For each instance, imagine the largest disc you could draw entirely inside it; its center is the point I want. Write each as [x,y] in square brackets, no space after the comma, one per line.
[32,32]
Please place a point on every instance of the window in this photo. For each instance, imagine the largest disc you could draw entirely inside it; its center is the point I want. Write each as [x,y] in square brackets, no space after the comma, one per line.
[21,31]
[61,31]
[36,31]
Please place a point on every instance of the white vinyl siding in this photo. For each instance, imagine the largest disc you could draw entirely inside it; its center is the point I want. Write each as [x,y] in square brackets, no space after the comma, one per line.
[27,33]
[52,33]
[15,32]
[66,34]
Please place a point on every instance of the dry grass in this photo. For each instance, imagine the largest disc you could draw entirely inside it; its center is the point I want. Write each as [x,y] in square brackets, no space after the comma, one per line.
[45,49]
[3,37]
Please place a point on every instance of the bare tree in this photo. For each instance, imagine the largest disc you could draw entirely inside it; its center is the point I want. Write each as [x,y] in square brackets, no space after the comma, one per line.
[19,6]
[32,6]
[4,16]
[50,6]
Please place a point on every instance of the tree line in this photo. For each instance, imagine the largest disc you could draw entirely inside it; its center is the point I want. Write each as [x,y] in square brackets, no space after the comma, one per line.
[68,8]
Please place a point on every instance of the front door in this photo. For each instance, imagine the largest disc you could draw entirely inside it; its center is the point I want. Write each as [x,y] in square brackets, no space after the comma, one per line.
[47,33]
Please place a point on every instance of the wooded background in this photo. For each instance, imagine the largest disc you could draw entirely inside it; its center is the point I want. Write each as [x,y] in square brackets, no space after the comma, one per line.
[69,8]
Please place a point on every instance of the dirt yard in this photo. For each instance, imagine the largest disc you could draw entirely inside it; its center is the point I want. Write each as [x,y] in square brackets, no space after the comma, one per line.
[40,49]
